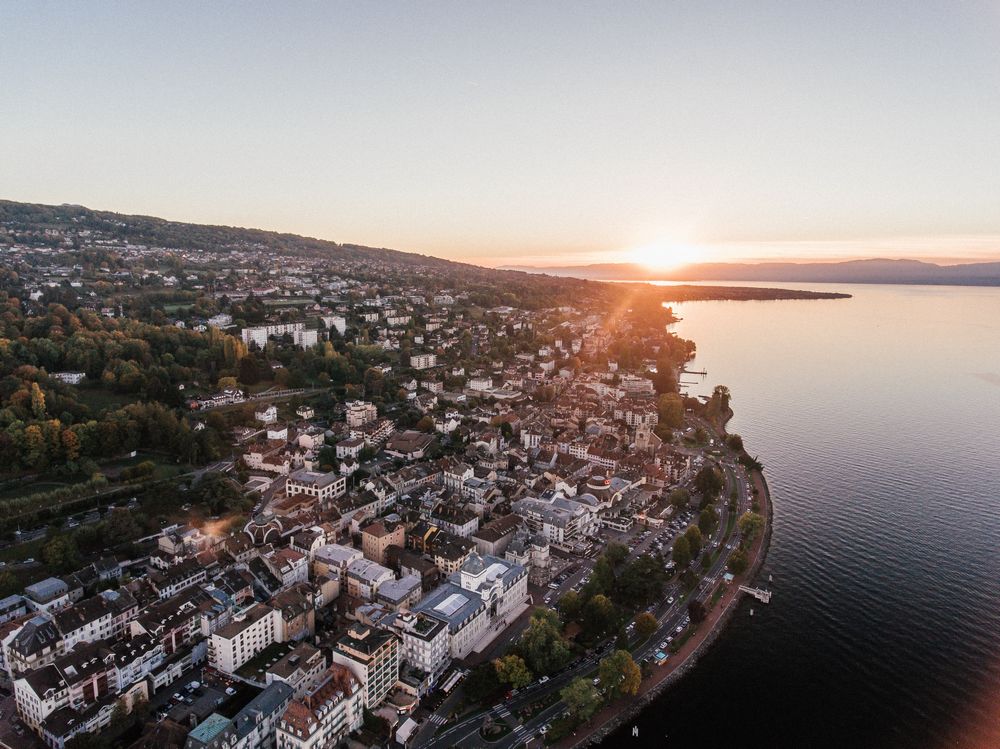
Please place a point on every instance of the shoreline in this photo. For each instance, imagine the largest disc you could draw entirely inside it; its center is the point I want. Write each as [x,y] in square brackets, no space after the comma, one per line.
[614,716]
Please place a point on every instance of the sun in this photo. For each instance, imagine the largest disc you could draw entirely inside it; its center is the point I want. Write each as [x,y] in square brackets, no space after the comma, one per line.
[664,255]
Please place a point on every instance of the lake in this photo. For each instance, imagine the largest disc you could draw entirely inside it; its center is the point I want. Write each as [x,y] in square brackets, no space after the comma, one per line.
[877,419]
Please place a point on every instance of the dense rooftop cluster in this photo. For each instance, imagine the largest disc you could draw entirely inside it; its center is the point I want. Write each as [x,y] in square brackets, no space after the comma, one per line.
[404,453]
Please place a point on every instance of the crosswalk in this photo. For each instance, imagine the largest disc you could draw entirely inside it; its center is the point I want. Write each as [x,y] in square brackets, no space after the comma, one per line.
[438,720]
[520,732]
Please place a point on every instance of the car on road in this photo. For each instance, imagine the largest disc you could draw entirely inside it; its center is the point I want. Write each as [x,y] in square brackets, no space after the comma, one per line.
[543,680]
[670,600]
[679,629]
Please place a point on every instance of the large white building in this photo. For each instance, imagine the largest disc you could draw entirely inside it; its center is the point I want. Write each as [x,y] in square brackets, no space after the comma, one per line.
[325,487]
[426,644]
[326,715]
[250,631]
[423,361]
[364,577]
[359,413]
[478,601]
[335,322]
[297,330]
[373,657]
[561,519]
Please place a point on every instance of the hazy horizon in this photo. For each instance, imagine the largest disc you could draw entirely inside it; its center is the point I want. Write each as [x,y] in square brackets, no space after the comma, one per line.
[559,134]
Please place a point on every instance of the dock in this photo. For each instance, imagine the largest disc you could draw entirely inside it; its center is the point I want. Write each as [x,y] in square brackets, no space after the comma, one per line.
[764,596]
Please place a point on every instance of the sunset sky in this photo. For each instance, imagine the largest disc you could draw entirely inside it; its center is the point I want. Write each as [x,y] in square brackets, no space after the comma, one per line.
[537,133]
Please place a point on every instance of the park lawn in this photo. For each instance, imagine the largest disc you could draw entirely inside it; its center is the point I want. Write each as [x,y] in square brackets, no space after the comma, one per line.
[99,399]
[19,552]
[20,489]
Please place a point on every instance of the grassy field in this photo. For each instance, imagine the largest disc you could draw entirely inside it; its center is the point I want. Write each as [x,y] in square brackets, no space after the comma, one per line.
[17,552]
[19,488]
[98,399]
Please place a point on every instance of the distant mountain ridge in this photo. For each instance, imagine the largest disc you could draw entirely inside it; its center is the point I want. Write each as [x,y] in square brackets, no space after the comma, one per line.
[875,270]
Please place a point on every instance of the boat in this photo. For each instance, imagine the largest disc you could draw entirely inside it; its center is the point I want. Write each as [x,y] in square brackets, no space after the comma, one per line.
[751,612]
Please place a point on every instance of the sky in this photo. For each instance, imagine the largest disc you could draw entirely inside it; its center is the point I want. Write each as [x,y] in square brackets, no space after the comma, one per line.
[538,133]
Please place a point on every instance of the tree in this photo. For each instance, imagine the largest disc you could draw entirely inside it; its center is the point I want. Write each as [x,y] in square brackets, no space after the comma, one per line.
[682,552]
[86,740]
[482,683]
[120,527]
[645,625]
[219,493]
[374,382]
[671,410]
[695,539]
[227,383]
[734,442]
[581,698]
[599,617]
[641,582]
[708,481]
[37,401]
[679,497]
[616,553]
[119,717]
[511,669]
[718,404]
[602,577]
[542,644]
[708,520]
[696,610]
[750,525]
[738,562]
[426,424]
[60,554]
[570,605]
[70,445]
[619,674]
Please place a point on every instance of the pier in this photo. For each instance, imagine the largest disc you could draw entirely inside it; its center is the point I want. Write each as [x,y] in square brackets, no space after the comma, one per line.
[764,596]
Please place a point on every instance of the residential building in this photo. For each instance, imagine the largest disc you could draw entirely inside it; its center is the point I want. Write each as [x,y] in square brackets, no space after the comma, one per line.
[329,712]
[373,657]
[248,634]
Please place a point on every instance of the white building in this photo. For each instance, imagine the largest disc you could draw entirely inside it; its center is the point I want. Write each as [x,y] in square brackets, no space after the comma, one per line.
[560,519]
[478,601]
[325,487]
[333,709]
[360,413]
[242,639]
[423,361]
[364,578]
[426,643]
[372,655]
[297,330]
[335,322]
[481,383]
[268,415]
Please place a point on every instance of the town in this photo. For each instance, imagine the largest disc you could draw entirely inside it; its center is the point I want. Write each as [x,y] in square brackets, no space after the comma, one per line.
[260,495]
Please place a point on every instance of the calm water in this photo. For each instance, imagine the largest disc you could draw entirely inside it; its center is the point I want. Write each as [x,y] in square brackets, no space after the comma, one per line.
[878,422]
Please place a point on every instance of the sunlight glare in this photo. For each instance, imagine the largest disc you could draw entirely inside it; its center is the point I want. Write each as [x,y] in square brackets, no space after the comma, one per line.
[663,255]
